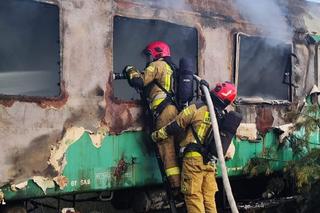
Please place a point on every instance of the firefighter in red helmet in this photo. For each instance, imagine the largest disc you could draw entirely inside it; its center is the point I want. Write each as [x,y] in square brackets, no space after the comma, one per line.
[198,183]
[156,81]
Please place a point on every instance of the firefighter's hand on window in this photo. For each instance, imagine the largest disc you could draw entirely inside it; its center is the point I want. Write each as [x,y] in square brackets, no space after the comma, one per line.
[159,135]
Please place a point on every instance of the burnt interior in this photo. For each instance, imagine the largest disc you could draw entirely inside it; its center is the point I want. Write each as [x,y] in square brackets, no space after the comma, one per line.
[264,68]
[131,36]
[29,49]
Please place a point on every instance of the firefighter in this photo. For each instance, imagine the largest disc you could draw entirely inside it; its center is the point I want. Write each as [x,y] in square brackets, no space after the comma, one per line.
[198,183]
[156,81]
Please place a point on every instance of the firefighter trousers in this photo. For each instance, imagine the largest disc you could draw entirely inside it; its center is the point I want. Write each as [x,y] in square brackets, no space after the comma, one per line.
[198,184]
[167,147]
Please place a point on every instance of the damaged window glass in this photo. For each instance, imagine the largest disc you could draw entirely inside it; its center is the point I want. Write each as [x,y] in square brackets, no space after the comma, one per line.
[29,48]
[263,69]
[131,36]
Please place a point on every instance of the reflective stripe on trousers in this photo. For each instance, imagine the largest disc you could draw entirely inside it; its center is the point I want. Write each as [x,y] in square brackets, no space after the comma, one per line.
[167,148]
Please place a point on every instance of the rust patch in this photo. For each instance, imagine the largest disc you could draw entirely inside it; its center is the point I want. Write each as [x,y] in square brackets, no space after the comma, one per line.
[43,102]
[125,5]
[61,181]
[215,9]
[118,114]
[58,102]
[7,103]
[121,168]
[264,119]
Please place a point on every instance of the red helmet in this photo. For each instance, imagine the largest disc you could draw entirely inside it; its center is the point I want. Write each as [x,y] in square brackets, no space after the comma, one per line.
[157,49]
[223,94]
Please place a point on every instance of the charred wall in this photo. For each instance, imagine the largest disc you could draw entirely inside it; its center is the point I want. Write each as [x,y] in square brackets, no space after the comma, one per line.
[86,32]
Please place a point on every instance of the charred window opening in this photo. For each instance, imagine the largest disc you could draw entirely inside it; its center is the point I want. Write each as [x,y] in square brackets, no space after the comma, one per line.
[263,69]
[29,49]
[131,36]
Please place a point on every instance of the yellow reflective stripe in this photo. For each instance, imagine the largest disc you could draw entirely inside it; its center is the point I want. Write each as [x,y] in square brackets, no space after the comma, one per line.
[155,103]
[207,118]
[201,130]
[150,68]
[173,171]
[167,80]
[204,126]
[133,74]
[192,154]
[186,111]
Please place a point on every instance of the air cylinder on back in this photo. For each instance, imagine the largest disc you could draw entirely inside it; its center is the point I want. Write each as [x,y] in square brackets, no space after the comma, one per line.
[185,91]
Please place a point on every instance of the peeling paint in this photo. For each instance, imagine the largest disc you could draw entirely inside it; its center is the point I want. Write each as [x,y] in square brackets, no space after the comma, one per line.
[22,185]
[58,152]
[247,131]
[61,181]
[286,130]
[43,183]
[2,202]
[315,95]
[87,100]
[264,119]
[98,138]
[315,90]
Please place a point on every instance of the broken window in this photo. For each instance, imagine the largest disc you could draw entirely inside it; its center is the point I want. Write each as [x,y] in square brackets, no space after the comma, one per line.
[263,69]
[131,36]
[29,48]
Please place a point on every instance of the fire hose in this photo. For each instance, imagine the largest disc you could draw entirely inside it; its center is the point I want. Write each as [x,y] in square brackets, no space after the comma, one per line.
[214,123]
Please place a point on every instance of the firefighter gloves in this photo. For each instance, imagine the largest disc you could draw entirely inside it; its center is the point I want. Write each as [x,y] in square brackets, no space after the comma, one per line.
[159,135]
[133,76]
[130,72]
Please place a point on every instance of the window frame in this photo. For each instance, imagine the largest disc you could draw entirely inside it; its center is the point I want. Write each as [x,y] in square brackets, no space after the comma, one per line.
[258,100]
[137,101]
[6,99]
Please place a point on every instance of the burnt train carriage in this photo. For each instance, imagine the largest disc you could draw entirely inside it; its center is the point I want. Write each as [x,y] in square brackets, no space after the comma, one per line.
[68,128]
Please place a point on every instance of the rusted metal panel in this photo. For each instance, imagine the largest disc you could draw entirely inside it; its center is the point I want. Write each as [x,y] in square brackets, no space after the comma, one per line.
[264,120]
[31,125]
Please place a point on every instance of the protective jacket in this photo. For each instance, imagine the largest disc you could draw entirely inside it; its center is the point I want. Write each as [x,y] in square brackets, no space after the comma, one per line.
[198,182]
[159,74]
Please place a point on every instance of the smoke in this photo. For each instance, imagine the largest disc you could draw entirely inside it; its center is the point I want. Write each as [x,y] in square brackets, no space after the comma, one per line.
[268,16]
[316,1]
